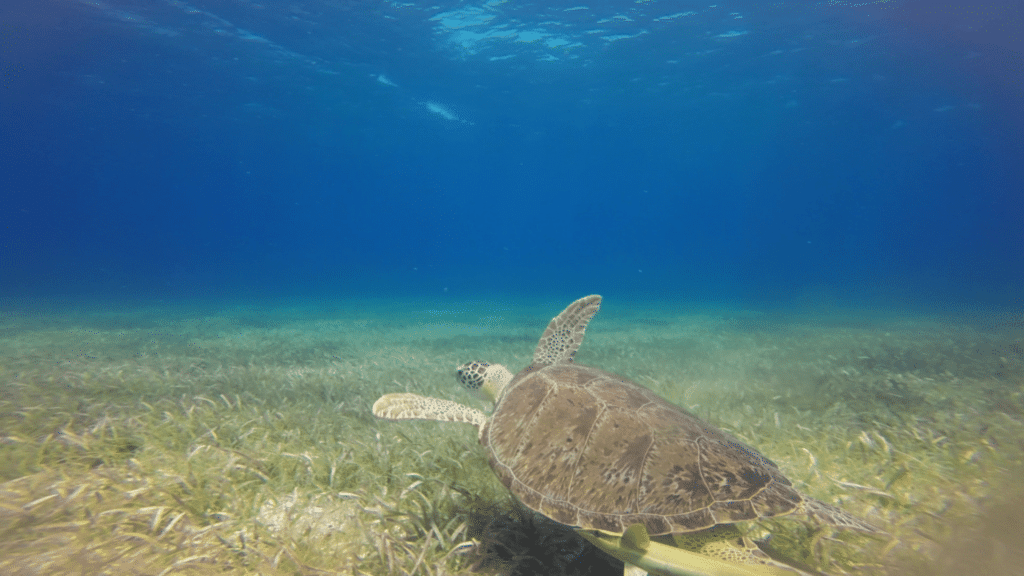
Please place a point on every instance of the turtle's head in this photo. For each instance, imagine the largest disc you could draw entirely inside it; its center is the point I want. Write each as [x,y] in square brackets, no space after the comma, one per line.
[489,379]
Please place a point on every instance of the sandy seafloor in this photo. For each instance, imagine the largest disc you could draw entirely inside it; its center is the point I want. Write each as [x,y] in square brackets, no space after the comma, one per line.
[236,438]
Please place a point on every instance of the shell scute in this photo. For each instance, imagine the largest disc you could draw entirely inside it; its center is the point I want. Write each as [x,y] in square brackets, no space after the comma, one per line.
[611,390]
[672,479]
[690,522]
[607,476]
[513,421]
[780,499]
[729,473]
[545,456]
[733,511]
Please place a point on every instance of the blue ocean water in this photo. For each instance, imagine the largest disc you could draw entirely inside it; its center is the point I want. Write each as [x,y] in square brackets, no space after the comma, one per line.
[752,153]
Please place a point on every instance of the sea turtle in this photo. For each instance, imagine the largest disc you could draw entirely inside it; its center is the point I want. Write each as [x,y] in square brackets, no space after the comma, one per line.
[641,478]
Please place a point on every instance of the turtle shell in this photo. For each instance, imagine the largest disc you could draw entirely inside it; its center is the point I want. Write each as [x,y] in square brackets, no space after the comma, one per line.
[591,449]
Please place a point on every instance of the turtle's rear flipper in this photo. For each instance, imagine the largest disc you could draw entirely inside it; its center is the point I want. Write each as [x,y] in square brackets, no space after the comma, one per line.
[822,513]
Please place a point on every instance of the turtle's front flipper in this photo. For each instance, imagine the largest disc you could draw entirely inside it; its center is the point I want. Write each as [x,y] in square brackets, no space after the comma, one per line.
[561,340]
[407,406]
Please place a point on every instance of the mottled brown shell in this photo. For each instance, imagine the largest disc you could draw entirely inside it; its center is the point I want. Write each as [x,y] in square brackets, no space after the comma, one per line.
[591,449]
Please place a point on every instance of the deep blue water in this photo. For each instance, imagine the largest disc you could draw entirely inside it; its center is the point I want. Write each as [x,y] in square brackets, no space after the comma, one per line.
[753,153]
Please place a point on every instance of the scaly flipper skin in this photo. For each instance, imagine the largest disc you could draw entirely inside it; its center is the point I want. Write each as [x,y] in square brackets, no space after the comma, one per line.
[829,515]
[564,334]
[407,406]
